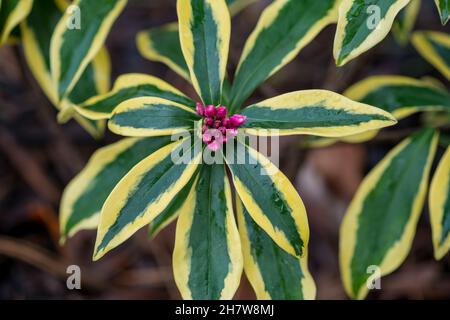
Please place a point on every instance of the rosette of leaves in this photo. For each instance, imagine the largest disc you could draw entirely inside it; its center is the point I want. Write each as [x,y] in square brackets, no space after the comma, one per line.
[379,226]
[70,65]
[135,182]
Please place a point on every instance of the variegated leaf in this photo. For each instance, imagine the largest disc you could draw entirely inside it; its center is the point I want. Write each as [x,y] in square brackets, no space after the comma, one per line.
[162,44]
[315,112]
[36,33]
[129,86]
[435,48]
[143,194]
[12,12]
[83,198]
[270,198]
[205,29]
[207,259]
[439,202]
[150,116]
[272,272]
[284,28]
[380,223]
[404,24]
[72,48]
[443,7]
[363,24]
[173,210]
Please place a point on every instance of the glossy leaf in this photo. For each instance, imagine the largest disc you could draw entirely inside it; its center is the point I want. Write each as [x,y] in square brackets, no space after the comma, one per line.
[363,24]
[143,194]
[284,28]
[150,116]
[207,259]
[444,10]
[72,49]
[380,223]
[95,80]
[129,86]
[36,33]
[435,48]
[12,12]
[162,44]
[173,210]
[401,96]
[439,202]
[270,198]
[272,272]
[205,38]
[83,198]
[315,112]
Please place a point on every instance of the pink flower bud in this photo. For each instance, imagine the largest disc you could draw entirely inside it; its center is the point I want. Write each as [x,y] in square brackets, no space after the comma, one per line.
[223,130]
[210,111]
[200,109]
[209,121]
[204,128]
[214,145]
[226,122]
[221,112]
[238,120]
[217,124]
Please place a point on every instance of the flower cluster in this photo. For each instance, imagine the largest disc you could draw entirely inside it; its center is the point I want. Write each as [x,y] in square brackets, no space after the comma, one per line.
[217,128]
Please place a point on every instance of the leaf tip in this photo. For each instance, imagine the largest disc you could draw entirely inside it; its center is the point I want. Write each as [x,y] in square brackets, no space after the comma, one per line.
[339,62]
[340,59]
[439,252]
[62,240]
[97,254]
[393,120]
[99,251]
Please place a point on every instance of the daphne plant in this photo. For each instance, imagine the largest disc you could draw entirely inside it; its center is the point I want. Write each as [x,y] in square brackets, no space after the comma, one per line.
[67,76]
[135,182]
[379,226]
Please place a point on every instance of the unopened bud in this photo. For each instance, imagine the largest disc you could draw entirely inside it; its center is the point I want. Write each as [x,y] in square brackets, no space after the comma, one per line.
[238,120]
[210,111]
